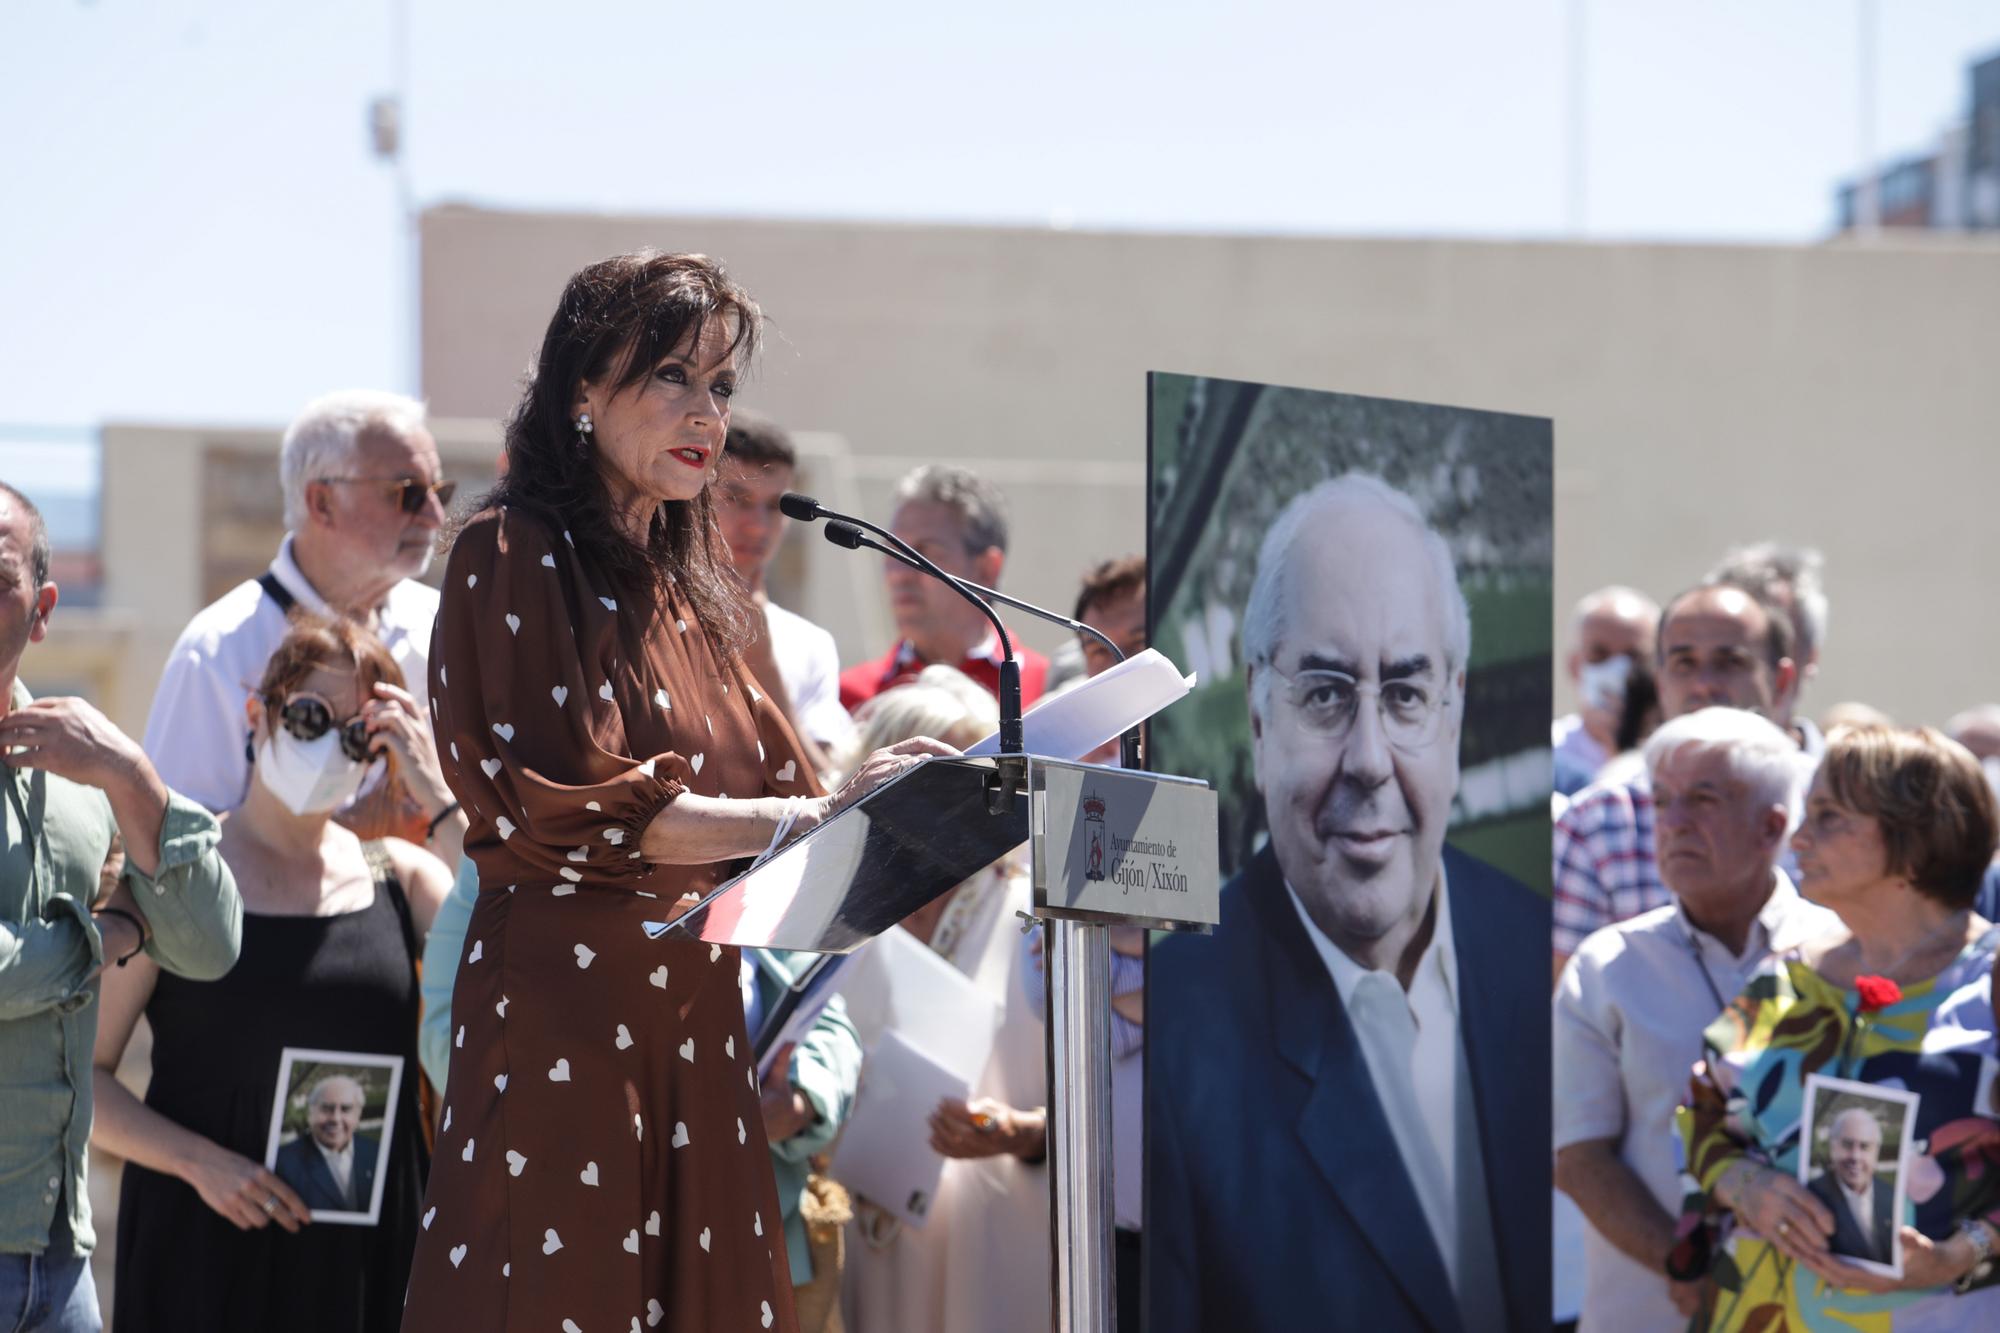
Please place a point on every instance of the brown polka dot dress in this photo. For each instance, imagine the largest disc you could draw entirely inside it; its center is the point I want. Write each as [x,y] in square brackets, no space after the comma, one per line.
[602,1166]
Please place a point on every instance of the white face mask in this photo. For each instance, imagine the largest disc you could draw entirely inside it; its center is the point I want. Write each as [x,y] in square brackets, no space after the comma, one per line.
[308,777]
[1602,684]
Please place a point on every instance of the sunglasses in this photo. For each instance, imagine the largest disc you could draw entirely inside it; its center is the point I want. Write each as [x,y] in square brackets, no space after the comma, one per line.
[309,717]
[408,492]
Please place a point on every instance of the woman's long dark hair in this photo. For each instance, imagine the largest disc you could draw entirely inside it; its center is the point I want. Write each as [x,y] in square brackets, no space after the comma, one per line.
[616,321]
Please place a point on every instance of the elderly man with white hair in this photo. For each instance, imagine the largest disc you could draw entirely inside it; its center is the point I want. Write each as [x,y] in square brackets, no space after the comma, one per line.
[1631,1004]
[1339,1070]
[1612,636]
[363,504]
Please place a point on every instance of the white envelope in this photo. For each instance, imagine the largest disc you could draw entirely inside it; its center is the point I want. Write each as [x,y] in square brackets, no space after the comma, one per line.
[885,1151]
[897,983]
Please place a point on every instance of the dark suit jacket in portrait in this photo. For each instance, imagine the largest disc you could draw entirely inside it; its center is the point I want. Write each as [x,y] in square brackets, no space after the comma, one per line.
[1276,1197]
[1847,1228]
[304,1168]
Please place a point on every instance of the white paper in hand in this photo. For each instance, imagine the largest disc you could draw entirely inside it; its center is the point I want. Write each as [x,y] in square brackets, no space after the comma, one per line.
[885,1152]
[1077,721]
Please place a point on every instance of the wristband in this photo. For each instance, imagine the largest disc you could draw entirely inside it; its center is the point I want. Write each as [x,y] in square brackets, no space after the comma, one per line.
[785,822]
[137,925]
[439,818]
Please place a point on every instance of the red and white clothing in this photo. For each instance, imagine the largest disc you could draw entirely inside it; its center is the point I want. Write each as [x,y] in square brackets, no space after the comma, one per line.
[859,684]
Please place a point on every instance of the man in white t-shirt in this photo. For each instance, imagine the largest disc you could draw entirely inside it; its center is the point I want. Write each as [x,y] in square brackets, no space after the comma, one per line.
[363,504]
[795,659]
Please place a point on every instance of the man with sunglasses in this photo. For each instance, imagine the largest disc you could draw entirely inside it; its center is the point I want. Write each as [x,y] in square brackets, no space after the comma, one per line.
[363,503]
[1351,1068]
[72,788]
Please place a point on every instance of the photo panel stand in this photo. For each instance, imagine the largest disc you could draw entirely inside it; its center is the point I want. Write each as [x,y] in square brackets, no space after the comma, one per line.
[1109,847]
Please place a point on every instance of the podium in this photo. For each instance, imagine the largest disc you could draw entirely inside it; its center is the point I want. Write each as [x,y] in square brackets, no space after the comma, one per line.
[1109,846]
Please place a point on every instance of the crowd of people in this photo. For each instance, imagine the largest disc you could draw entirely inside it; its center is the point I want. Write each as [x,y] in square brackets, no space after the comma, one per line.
[1774,1017]
[405,838]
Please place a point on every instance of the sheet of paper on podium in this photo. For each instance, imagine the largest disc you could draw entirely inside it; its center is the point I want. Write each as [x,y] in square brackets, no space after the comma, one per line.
[884,1153]
[1109,704]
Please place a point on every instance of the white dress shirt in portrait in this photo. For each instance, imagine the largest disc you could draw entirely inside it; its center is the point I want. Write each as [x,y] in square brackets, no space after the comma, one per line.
[1628,1015]
[1862,1205]
[341,1164]
[1410,1042]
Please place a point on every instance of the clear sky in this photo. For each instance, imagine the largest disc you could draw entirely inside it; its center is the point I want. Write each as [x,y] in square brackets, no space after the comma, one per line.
[196,228]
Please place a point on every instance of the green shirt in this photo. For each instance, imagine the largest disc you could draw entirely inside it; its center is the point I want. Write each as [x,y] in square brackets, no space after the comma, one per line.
[54,839]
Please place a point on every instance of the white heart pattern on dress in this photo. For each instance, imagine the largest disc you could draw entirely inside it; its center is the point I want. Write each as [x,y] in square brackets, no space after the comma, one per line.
[490,767]
[659,976]
[584,954]
[551,1242]
[444,678]
[703,1238]
[507,1270]
[632,1246]
[660,698]
[559,694]
[504,730]
[624,1042]
[574,877]
[472,580]
[604,691]
[454,752]
[447,1114]
[549,560]
[740,1136]
[430,1217]
[569,1325]
[457,1255]
[499,1083]
[560,1074]
[566,537]
[729,1045]
[562,890]
[504,827]
[765,1307]
[513,623]
[638,1129]
[592,805]
[501,1010]
[515,1162]
[609,604]
[653,1224]
[680,1134]
[715,953]
[696,762]
[589,1174]
[687,1050]
[655,1312]
[615,836]
[789,771]
[478,951]
[466,1156]
[460,1041]
[580,854]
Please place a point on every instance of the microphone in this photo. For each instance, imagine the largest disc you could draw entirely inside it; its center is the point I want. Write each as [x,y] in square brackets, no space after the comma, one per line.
[846,531]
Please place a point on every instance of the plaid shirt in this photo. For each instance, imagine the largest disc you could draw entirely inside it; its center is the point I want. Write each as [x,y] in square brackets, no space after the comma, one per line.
[1603,868]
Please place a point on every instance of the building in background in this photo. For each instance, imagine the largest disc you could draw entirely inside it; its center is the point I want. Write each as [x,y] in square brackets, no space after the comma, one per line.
[1952,186]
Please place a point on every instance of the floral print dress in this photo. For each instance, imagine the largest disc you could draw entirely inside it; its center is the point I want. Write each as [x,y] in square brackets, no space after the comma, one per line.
[1747,1100]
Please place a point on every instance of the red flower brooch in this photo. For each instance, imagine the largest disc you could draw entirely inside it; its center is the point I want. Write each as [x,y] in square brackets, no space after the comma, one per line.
[1876,993]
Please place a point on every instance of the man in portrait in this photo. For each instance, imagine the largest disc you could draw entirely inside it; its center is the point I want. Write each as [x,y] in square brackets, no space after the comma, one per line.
[1863,1227]
[332,1166]
[1345,1077]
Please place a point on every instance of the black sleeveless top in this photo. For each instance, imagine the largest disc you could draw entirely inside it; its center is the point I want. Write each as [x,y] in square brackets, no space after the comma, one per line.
[339,983]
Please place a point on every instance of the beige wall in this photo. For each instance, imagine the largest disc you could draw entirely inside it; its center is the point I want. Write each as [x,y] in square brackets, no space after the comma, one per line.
[1843,396]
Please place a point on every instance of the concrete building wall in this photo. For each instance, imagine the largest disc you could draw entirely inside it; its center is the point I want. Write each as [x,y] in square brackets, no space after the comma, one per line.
[1841,395]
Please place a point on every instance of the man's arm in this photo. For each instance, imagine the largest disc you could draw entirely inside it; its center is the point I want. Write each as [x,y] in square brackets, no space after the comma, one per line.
[48,964]
[1616,1201]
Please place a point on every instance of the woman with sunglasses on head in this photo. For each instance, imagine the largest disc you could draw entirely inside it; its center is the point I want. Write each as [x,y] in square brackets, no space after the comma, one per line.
[604,1163]
[208,1239]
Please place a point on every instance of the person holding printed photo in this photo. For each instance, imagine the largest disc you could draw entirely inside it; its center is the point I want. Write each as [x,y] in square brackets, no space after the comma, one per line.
[209,1241]
[1899,828]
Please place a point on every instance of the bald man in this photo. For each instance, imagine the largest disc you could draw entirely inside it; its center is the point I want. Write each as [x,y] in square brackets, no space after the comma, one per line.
[1612,633]
[1863,1225]
[332,1166]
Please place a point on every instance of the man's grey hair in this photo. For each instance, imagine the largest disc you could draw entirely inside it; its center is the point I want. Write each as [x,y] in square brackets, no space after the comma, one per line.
[1833,1125]
[323,439]
[978,502]
[1264,616]
[38,535]
[1756,752]
[1615,595]
[312,1093]
[1775,570]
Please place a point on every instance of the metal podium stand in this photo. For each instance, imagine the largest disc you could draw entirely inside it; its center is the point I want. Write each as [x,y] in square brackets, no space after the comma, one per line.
[1109,846]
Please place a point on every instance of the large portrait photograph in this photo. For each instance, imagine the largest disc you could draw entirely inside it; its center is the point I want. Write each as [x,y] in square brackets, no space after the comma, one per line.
[1347,1080]
[332,1121]
[1858,1138]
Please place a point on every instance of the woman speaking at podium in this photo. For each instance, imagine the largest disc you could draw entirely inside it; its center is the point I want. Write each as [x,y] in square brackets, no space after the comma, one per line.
[602,1163]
